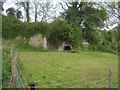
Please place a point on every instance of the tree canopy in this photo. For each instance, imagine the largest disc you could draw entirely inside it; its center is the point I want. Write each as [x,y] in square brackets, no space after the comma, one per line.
[85,15]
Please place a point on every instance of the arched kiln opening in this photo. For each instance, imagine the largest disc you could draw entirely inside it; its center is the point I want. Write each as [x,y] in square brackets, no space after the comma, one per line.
[67,48]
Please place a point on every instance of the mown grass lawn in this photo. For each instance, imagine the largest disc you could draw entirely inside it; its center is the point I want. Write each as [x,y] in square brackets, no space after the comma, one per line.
[62,69]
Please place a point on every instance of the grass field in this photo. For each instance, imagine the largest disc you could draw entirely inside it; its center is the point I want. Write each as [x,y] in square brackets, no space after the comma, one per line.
[75,70]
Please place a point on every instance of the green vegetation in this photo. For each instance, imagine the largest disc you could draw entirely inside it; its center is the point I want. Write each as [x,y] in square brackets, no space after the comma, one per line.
[19,45]
[80,22]
[60,69]
[6,67]
[58,32]
[11,27]
[30,29]
[61,31]
[8,60]
[85,19]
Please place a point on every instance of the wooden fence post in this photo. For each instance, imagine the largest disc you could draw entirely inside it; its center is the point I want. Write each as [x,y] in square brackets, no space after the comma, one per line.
[110,79]
[33,86]
[13,66]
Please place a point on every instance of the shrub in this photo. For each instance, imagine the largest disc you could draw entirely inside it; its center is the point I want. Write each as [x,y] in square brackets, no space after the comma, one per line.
[6,67]
[103,48]
[33,28]
[11,27]
[61,31]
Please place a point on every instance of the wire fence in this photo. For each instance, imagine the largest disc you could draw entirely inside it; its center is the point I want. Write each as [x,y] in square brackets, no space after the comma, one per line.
[79,83]
[71,82]
[15,80]
[87,81]
[21,81]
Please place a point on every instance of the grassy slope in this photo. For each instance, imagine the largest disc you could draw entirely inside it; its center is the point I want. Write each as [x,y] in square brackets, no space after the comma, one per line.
[59,69]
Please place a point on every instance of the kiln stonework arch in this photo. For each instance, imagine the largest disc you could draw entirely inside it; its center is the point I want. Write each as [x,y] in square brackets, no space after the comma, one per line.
[67,48]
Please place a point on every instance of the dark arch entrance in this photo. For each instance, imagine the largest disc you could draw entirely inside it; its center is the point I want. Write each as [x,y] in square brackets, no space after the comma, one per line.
[67,48]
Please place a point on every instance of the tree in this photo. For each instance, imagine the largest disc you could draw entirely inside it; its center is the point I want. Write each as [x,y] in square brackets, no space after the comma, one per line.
[26,6]
[19,14]
[113,13]
[36,4]
[40,10]
[1,5]
[12,12]
[113,9]
[27,11]
[61,31]
[86,16]
[43,10]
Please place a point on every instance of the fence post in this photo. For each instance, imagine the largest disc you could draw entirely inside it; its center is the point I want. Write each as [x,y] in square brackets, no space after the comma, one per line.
[13,66]
[33,86]
[110,79]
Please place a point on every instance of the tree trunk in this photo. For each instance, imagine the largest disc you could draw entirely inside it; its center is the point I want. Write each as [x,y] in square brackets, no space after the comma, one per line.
[35,13]
[27,12]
